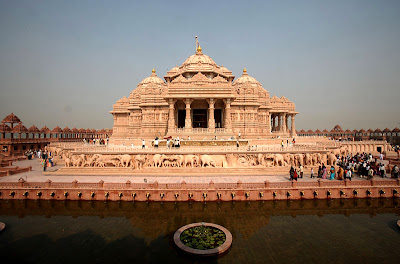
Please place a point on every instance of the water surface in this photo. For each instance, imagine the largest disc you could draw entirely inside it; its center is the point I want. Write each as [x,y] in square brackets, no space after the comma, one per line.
[320,231]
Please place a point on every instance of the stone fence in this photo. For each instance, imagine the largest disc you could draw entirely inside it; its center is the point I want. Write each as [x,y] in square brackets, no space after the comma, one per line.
[321,189]
[11,171]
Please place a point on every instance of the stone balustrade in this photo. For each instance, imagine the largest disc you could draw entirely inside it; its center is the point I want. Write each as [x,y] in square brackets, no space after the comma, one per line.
[321,189]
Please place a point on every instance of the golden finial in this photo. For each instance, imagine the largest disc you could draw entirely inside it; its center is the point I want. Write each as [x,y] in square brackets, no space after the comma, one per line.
[153,71]
[244,70]
[199,49]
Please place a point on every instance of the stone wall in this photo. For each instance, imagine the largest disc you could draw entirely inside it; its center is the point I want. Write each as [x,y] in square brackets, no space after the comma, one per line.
[199,191]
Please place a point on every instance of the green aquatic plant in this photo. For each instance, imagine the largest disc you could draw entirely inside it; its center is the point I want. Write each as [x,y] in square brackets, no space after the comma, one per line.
[203,237]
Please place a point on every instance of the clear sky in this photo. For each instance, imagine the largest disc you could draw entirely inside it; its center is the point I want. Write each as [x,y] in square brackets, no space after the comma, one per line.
[66,62]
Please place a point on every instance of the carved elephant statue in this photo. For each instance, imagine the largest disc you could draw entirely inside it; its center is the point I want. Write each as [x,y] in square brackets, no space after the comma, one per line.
[299,159]
[232,160]
[316,158]
[67,162]
[289,159]
[220,161]
[308,159]
[125,160]
[336,151]
[158,160]
[207,160]
[191,160]
[332,159]
[277,159]
[140,160]
[78,160]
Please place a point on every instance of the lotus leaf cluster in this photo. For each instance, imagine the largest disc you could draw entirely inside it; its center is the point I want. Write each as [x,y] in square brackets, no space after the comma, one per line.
[203,237]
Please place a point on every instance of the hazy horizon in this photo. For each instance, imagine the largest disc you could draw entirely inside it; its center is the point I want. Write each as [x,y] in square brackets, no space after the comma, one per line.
[66,63]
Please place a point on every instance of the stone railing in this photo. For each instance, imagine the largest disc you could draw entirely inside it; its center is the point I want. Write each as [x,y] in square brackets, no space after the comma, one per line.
[321,189]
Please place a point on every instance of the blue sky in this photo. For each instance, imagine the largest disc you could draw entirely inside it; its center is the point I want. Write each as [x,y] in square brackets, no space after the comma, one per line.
[66,62]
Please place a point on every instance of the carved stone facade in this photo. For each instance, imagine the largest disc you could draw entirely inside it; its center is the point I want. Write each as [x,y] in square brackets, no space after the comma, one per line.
[201,99]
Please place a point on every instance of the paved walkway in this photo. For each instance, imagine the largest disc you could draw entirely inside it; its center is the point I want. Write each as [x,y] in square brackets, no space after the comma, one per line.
[36,175]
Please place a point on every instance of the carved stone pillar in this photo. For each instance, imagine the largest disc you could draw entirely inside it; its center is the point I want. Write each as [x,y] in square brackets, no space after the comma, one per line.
[188,118]
[280,122]
[293,132]
[171,116]
[211,120]
[228,121]
[269,127]
[284,123]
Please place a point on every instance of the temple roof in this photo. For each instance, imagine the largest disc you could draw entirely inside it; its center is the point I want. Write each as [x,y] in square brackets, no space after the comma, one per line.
[45,130]
[5,128]
[11,118]
[57,129]
[337,128]
[19,129]
[33,129]
[66,130]
[74,130]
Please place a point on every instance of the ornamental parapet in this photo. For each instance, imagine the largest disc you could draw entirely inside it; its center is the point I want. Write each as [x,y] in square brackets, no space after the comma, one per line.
[322,189]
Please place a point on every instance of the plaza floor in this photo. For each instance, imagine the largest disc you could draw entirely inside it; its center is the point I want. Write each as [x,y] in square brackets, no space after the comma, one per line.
[36,175]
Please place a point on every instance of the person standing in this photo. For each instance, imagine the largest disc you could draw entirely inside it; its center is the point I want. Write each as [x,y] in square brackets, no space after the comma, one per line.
[301,171]
[282,144]
[295,175]
[168,143]
[237,143]
[156,143]
[348,174]
[143,144]
[332,171]
[382,170]
[239,134]
[395,171]
[312,173]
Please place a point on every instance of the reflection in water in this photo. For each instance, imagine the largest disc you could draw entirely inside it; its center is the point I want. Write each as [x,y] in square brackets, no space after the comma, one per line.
[361,230]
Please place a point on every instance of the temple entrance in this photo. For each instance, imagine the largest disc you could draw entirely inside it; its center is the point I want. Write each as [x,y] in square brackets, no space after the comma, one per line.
[218,117]
[181,118]
[199,118]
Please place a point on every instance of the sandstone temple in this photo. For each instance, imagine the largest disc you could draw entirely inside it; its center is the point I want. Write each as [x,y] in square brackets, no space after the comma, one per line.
[201,99]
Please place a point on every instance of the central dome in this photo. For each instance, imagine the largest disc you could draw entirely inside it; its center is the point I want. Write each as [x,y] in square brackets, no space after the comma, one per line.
[199,62]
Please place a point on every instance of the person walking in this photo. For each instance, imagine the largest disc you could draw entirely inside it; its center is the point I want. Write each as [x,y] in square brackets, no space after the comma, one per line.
[332,171]
[301,169]
[291,173]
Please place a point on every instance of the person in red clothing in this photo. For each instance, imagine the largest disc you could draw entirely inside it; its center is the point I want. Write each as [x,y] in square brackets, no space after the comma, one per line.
[295,175]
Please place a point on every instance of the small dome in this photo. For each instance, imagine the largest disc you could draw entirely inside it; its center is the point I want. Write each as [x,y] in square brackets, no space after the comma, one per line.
[19,129]
[152,79]
[245,78]
[224,69]
[174,69]
[123,100]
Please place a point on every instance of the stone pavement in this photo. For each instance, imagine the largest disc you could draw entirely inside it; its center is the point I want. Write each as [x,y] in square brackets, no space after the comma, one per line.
[36,175]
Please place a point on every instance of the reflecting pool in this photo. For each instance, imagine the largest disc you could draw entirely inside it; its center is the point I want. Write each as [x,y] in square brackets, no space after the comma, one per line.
[311,231]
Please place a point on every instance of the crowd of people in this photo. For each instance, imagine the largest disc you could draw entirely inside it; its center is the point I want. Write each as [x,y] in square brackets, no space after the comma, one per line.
[96,141]
[363,164]
[44,155]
